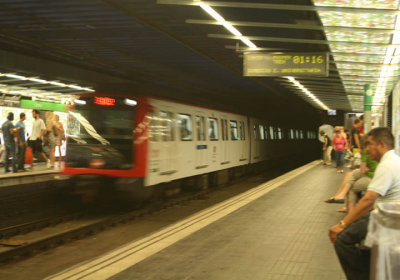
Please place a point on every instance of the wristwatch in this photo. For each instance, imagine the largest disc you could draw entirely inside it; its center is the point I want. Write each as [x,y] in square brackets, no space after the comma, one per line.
[342,224]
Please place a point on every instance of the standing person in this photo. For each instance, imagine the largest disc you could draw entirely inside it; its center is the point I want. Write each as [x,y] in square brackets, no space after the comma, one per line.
[38,131]
[51,133]
[339,145]
[9,133]
[21,142]
[355,141]
[384,187]
[326,148]
[60,137]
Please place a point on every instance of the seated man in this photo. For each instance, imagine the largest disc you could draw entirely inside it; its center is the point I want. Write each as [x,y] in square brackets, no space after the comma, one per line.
[385,186]
[356,182]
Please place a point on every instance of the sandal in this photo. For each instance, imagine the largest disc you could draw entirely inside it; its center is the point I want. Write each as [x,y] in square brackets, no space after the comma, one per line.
[342,210]
[333,200]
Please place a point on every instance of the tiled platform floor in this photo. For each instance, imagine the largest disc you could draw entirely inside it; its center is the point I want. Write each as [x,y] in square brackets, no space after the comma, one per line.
[282,235]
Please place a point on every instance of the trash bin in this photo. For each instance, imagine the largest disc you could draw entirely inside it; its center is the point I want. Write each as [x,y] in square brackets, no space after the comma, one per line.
[384,239]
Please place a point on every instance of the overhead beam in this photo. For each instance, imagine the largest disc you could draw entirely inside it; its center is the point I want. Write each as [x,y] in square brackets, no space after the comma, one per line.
[291,26]
[293,40]
[279,7]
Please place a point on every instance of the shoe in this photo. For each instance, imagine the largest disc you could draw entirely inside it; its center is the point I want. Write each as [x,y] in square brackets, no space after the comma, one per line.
[21,170]
[342,210]
[48,164]
[332,200]
[7,171]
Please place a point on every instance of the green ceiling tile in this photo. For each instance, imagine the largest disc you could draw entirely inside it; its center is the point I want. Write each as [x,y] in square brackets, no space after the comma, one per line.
[358,36]
[373,4]
[340,66]
[358,48]
[357,19]
[358,58]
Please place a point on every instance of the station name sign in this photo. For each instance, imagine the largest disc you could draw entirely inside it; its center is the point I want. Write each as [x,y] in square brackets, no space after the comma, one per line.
[286,64]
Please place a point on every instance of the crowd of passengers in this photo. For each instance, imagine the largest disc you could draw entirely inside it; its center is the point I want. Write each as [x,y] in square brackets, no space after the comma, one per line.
[375,177]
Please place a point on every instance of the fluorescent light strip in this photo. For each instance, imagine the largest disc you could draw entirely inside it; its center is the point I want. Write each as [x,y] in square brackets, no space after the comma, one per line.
[227,25]
[308,93]
[19,77]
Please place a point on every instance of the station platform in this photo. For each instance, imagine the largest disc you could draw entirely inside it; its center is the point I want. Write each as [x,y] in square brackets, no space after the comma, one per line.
[38,173]
[278,230]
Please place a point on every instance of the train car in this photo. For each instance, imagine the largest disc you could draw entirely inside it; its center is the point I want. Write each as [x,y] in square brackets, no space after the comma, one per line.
[149,141]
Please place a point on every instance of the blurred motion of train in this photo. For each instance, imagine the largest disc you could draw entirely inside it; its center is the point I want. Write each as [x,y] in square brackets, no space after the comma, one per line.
[145,141]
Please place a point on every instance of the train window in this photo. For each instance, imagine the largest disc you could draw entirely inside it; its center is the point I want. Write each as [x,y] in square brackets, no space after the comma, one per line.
[266,132]
[201,128]
[301,134]
[261,131]
[242,131]
[213,129]
[166,126]
[153,129]
[291,134]
[185,122]
[271,133]
[224,127]
[234,130]
[297,134]
[255,132]
[279,131]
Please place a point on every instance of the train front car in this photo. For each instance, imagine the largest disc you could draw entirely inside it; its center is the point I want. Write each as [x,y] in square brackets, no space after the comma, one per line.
[107,140]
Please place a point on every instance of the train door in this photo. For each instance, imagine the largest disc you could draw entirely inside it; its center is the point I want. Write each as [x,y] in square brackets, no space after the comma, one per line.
[256,138]
[225,141]
[167,142]
[201,157]
[244,149]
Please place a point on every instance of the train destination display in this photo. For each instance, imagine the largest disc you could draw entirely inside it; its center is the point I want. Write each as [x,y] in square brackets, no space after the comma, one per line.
[285,64]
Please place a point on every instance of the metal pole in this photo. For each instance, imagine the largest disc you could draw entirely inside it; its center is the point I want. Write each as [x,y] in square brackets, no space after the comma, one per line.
[368,94]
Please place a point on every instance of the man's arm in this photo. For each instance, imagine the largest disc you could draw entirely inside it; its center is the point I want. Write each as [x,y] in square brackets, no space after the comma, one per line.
[362,208]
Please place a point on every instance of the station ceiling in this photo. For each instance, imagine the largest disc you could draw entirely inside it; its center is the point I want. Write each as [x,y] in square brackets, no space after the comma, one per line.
[169,48]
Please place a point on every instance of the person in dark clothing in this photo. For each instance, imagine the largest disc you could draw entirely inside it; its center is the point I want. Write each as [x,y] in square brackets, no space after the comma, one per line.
[21,142]
[9,133]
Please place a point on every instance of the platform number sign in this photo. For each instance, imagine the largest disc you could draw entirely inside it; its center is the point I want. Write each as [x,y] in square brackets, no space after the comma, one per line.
[285,64]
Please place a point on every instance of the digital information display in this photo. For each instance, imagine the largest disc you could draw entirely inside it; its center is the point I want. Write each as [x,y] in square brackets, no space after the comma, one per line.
[285,64]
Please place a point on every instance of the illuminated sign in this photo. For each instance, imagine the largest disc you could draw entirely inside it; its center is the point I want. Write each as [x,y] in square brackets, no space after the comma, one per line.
[285,64]
[104,101]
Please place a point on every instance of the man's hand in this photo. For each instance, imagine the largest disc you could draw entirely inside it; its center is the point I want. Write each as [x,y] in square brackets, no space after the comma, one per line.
[334,232]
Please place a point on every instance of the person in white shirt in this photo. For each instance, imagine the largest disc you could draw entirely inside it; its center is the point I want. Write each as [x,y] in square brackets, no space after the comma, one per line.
[36,137]
[384,186]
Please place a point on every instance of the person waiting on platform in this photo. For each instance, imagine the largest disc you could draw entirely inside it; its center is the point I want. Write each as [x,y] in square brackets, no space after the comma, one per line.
[60,137]
[36,137]
[357,182]
[384,187]
[21,143]
[52,134]
[9,133]
[339,144]
[326,148]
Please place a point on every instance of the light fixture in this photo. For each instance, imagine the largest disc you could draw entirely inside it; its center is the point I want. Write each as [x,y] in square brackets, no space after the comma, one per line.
[42,81]
[80,102]
[227,25]
[308,93]
[130,102]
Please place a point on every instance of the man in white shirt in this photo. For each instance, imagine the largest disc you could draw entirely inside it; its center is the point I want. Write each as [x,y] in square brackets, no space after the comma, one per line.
[385,186]
[38,131]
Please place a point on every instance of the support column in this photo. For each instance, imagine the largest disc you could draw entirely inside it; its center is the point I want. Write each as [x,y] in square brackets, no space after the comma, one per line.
[368,95]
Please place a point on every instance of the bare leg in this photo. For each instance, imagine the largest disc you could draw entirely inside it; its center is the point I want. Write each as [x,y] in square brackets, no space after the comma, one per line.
[43,156]
[340,193]
[52,156]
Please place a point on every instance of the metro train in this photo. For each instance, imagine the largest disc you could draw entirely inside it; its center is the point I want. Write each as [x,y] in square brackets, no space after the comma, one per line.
[146,141]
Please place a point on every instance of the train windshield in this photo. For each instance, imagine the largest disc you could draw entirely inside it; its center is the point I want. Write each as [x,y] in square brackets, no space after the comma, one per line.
[101,135]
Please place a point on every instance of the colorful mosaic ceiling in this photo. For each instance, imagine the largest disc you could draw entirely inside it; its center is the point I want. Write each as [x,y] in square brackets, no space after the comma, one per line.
[363,36]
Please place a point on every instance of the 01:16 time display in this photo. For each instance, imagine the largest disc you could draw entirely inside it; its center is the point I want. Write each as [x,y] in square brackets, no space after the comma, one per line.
[300,59]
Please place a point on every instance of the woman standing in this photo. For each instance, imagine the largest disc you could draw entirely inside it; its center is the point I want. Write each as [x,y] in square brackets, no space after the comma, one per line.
[60,137]
[51,131]
[339,145]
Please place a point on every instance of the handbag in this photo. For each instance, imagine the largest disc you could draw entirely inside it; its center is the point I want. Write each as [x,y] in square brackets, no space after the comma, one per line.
[28,155]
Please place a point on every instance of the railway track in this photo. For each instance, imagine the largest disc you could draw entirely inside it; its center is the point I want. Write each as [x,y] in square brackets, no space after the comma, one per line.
[25,240]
